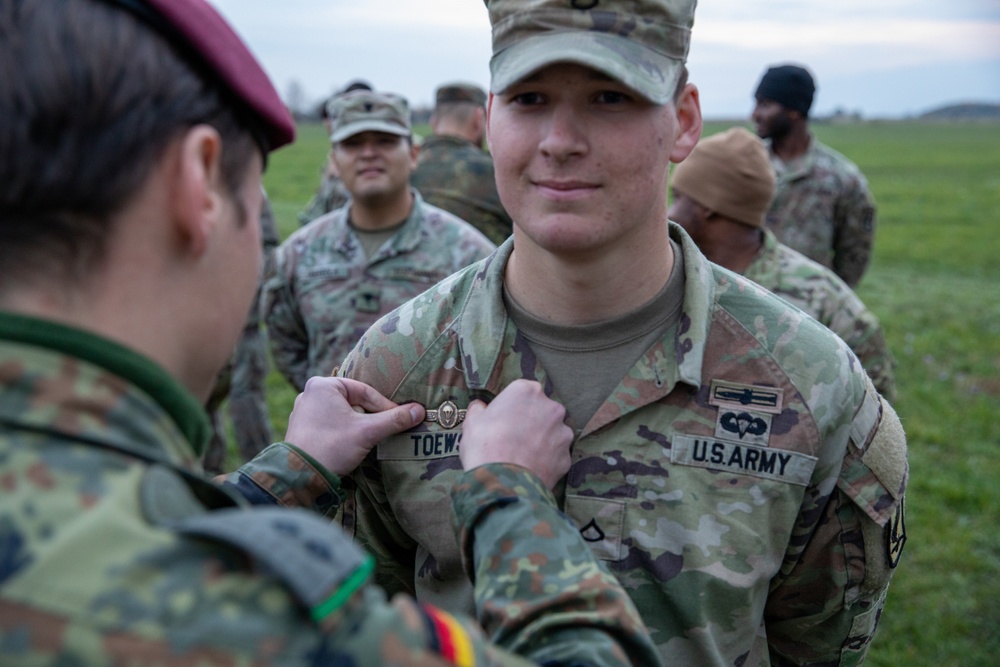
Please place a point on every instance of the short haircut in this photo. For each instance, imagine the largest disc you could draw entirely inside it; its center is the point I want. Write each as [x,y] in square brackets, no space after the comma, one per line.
[91,99]
[460,112]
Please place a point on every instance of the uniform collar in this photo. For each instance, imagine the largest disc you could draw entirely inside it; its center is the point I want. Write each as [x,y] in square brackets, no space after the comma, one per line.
[765,267]
[135,405]
[797,168]
[405,240]
[487,337]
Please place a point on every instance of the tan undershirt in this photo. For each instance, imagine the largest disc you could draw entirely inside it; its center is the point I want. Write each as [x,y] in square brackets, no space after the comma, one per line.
[586,362]
[372,240]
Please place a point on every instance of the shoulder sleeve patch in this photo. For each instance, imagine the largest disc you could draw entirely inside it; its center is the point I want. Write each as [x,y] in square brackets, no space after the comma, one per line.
[875,469]
[318,562]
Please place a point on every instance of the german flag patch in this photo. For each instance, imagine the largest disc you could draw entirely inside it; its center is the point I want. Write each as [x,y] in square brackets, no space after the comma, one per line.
[449,639]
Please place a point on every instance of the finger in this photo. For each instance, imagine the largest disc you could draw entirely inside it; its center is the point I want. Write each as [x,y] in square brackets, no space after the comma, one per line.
[475,407]
[394,420]
[360,394]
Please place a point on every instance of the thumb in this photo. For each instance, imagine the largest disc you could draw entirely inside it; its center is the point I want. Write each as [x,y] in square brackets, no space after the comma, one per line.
[475,407]
[381,425]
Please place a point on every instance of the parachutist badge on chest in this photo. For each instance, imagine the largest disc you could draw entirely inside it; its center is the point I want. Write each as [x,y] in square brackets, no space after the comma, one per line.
[448,415]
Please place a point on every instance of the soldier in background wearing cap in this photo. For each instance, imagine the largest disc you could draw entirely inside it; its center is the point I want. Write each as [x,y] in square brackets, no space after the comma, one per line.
[336,276]
[331,193]
[822,206]
[126,281]
[454,172]
[733,465]
[720,195]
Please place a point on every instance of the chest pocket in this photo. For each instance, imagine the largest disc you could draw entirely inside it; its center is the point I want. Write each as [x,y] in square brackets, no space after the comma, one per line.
[601,522]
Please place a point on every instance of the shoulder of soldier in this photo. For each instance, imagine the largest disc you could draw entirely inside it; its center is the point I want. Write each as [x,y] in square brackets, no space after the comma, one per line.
[394,344]
[836,163]
[834,299]
[797,268]
[138,569]
[814,359]
[317,232]
[449,228]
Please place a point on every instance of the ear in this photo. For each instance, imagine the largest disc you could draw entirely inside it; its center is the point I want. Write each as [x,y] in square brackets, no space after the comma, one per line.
[198,200]
[433,122]
[688,108]
[332,165]
[414,153]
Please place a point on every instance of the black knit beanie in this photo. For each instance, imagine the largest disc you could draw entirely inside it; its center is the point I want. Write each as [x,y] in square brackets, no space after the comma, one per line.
[790,86]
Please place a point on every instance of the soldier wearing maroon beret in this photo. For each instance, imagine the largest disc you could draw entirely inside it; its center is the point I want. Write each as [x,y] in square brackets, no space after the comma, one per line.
[133,135]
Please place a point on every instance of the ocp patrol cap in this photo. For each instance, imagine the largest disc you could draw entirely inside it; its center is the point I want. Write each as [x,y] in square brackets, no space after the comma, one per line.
[460,92]
[641,43]
[368,111]
[197,31]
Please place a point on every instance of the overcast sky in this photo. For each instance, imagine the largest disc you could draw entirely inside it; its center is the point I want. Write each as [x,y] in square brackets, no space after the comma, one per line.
[884,58]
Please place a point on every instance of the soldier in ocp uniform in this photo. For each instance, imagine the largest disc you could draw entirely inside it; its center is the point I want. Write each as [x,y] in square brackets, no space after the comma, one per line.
[336,276]
[733,465]
[822,206]
[126,281]
[720,196]
[453,171]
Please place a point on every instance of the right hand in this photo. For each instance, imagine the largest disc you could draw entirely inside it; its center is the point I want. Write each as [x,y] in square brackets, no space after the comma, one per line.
[522,426]
[337,421]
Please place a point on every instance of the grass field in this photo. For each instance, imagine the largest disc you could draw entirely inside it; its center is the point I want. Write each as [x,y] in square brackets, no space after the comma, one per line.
[933,284]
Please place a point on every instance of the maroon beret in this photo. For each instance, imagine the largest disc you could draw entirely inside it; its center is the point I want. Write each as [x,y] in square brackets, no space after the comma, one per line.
[197,30]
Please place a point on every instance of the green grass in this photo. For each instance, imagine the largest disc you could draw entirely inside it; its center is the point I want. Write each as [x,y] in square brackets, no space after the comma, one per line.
[933,284]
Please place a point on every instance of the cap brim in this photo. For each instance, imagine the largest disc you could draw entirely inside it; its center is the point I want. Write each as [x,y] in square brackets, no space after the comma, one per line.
[368,126]
[651,74]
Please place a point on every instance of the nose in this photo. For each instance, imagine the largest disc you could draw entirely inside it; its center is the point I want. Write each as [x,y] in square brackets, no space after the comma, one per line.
[565,136]
[368,148]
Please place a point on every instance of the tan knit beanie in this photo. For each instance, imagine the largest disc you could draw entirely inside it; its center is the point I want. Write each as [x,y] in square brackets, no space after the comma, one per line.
[730,174]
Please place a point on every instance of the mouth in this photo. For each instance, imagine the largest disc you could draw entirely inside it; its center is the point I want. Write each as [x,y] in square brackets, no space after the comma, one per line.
[565,189]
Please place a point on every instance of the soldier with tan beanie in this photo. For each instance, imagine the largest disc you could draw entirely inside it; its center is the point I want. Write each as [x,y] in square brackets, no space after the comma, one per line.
[720,195]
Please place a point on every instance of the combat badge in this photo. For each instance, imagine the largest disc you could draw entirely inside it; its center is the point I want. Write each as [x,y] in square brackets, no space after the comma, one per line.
[895,535]
[736,396]
[448,415]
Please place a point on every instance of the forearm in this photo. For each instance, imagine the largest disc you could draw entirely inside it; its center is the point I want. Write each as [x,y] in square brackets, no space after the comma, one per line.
[539,590]
[285,475]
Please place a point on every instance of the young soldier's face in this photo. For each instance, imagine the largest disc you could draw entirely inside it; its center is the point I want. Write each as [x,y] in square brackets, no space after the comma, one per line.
[581,160]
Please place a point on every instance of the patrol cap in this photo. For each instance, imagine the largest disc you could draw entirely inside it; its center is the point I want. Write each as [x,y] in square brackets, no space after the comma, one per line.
[791,86]
[197,31]
[460,92]
[368,111]
[641,43]
[730,173]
